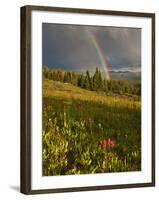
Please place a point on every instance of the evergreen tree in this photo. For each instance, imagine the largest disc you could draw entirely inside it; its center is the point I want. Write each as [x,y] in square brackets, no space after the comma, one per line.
[59,76]
[81,80]
[89,80]
[74,78]
[86,83]
[66,78]
[95,79]
[100,81]
[69,77]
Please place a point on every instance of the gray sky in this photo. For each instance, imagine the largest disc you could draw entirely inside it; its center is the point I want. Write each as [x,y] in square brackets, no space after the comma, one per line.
[70,47]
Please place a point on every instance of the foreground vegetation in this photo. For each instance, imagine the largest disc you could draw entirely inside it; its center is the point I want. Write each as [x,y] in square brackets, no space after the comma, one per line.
[88,131]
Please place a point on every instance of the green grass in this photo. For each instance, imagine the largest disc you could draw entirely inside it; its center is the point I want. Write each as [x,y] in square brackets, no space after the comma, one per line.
[77,125]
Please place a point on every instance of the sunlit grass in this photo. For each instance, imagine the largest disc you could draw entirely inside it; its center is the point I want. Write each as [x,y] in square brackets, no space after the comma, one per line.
[79,126]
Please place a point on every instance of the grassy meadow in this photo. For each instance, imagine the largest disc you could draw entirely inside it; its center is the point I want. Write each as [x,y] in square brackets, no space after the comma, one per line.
[88,131]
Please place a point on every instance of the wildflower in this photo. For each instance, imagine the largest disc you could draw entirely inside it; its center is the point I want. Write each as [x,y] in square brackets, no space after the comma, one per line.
[108,144]
[111,143]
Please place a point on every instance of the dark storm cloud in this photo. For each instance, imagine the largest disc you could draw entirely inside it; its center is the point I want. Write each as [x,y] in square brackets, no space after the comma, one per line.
[123,45]
[70,47]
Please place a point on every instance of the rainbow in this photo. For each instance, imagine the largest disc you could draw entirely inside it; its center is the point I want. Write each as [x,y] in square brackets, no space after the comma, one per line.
[103,58]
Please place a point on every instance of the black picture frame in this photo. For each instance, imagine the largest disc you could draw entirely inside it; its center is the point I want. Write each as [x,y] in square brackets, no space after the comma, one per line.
[26,85]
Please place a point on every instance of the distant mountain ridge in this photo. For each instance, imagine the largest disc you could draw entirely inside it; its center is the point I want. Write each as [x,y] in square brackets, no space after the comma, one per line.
[134,77]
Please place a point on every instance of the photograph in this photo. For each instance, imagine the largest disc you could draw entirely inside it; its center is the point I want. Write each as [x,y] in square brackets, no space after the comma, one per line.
[91,99]
[87,99]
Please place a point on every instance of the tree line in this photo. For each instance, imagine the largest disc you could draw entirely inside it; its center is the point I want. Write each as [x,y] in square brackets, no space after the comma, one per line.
[93,82]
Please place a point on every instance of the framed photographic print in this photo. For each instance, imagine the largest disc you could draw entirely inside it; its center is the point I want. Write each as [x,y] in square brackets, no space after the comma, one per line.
[87,99]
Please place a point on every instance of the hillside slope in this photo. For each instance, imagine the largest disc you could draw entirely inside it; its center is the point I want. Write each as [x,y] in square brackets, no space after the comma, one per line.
[69,91]
[87,132]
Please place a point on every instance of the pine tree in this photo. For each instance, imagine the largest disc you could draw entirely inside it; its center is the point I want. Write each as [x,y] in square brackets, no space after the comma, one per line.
[59,76]
[66,78]
[69,77]
[74,78]
[100,81]
[95,79]
[86,83]
[81,80]
[89,80]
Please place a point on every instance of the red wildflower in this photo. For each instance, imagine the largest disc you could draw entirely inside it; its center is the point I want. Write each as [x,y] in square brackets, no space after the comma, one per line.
[108,144]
